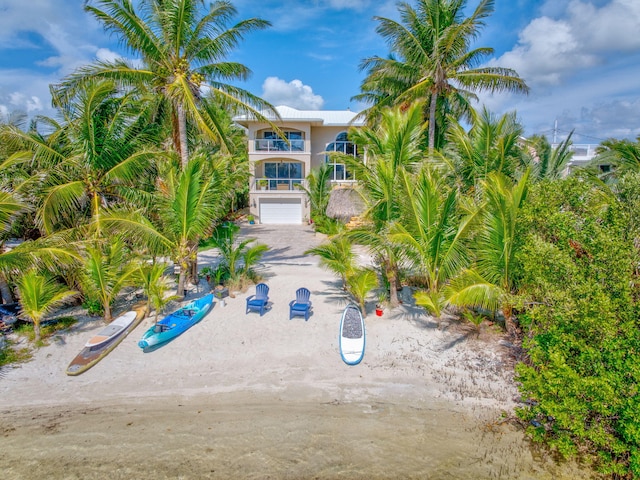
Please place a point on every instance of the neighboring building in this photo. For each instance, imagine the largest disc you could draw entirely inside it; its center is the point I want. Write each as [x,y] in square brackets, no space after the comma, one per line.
[583,153]
[278,167]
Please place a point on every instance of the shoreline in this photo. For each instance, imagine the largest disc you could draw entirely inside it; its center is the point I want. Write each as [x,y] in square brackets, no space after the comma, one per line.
[244,396]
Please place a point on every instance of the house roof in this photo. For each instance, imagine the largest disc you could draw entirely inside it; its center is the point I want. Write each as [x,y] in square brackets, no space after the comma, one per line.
[315,117]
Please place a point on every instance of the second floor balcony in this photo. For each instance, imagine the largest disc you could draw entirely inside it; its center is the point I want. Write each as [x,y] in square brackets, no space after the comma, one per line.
[278,185]
[269,145]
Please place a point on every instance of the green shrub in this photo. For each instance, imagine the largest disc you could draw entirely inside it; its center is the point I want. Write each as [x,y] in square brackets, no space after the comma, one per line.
[582,334]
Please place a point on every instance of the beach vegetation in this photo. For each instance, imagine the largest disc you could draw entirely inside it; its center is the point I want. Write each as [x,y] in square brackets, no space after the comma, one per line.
[581,333]
[337,256]
[11,354]
[490,283]
[155,285]
[39,294]
[360,282]
[393,148]
[109,267]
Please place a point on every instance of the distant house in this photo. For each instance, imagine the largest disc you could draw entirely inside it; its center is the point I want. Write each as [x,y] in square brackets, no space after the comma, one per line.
[583,154]
[278,167]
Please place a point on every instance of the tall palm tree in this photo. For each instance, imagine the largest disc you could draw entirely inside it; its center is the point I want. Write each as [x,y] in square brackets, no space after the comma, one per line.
[393,146]
[490,284]
[93,159]
[182,48]
[39,295]
[432,59]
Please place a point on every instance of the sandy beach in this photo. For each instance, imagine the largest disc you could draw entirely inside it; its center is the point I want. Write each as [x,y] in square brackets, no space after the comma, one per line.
[244,396]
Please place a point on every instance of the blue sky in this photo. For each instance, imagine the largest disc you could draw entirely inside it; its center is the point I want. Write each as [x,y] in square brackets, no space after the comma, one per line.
[581,58]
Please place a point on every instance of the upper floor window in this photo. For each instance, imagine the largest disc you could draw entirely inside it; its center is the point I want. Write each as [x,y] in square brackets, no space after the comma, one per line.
[342,145]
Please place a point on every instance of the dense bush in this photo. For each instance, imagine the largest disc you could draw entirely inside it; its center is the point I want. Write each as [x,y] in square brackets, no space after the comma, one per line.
[581,327]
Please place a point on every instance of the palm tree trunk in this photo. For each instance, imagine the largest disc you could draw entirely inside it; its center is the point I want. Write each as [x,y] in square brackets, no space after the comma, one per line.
[182,129]
[107,312]
[36,329]
[392,276]
[181,278]
[432,123]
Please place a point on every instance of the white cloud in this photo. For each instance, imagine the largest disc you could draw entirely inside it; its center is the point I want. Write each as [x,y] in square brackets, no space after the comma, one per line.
[293,94]
[551,50]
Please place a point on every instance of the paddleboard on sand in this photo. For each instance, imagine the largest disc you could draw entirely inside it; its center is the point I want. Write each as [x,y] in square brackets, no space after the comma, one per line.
[352,335]
[100,345]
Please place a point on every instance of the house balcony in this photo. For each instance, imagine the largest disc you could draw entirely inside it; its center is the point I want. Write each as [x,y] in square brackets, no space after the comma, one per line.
[278,146]
[278,185]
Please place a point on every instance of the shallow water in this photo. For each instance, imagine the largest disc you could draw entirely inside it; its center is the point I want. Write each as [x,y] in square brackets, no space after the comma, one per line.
[259,438]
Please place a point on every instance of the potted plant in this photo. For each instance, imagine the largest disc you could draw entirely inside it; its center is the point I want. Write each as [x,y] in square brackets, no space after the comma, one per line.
[382,298]
[263,184]
[207,272]
[251,219]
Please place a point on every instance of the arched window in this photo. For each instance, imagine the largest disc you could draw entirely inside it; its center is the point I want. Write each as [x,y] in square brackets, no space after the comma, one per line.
[342,145]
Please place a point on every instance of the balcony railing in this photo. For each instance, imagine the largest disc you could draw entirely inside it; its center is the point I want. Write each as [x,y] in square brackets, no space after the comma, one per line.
[274,145]
[278,184]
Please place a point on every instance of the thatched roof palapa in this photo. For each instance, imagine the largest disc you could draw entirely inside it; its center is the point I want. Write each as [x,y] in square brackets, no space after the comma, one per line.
[344,203]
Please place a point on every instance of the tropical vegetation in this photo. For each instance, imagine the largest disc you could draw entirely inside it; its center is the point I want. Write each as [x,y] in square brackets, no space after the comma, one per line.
[143,163]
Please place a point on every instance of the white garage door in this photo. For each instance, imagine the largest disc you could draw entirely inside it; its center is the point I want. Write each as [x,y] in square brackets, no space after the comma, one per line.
[280,210]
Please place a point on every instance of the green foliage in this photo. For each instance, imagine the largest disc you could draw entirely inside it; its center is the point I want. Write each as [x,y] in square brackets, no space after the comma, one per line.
[337,256]
[93,306]
[327,225]
[10,355]
[359,283]
[39,295]
[582,332]
[319,181]
[238,258]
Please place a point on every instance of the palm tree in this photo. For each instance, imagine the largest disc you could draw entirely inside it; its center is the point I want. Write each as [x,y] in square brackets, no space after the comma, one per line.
[359,283]
[432,60]
[392,147]
[491,145]
[10,206]
[188,204]
[434,233]
[624,155]
[319,181]
[155,285]
[92,160]
[39,295]
[237,257]
[337,256]
[491,283]
[183,50]
[547,163]
[108,269]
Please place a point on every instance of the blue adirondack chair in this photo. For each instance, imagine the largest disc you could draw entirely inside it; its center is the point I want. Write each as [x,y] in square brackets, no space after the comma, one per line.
[259,301]
[301,306]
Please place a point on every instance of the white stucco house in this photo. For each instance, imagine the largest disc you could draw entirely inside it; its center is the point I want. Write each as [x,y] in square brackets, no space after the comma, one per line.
[278,167]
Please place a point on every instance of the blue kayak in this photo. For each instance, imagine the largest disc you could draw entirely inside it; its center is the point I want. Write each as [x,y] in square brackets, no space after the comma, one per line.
[177,322]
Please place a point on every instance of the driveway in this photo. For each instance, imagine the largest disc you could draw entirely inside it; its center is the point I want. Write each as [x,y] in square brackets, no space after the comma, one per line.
[287,244]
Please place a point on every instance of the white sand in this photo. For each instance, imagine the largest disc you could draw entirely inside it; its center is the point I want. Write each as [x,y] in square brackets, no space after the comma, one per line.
[236,363]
